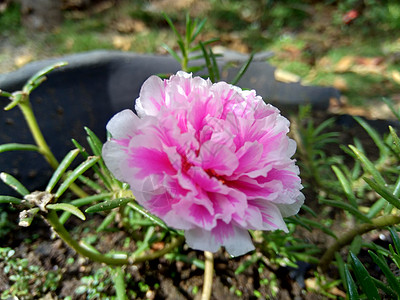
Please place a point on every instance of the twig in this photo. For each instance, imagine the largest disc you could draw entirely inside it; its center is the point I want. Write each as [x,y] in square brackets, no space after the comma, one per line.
[349,236]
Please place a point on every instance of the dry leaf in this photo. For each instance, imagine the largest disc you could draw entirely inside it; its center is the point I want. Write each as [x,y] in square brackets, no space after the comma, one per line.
[123,43]
[369,61]
[396,76]
[285,76]
[340,83]
[368,69]
[128,25]
[23,59]
[324,62]
[344,64]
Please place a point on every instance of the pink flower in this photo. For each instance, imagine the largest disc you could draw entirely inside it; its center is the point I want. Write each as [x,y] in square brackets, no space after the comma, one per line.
[210,159]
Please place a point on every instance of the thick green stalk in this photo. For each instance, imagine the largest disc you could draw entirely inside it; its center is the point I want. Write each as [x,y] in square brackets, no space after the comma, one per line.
[26,109]
[349,236]
[208,275]
[55,223]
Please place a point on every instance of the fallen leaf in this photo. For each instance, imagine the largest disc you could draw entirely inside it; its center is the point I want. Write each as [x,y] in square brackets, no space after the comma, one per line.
[324,62]
[340,83]
[369,61]
[368,69]
[344,64]
[129,25]
[285,76]
[396,76]
[123,43]
[23,59]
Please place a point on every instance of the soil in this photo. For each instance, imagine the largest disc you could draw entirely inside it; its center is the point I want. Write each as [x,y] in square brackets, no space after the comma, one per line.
[166,279]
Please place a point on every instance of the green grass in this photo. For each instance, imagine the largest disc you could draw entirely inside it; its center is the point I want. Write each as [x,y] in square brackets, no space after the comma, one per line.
[10,19]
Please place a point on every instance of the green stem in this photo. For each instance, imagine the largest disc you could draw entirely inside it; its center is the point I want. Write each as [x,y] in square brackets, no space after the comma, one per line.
[349,236]
[208,275]
[26,109]
[119,283]
[55,223]
[184,64]
[44,148]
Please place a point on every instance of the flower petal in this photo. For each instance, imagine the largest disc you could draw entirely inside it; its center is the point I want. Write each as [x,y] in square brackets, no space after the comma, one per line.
[123,124]
[217,157]
[200,239]
[240,243]
[152,97]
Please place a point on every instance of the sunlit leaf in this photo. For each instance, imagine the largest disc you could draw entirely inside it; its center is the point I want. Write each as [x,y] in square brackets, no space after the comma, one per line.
[108,205]
[37,78]
[376,207]
[392,108]
[10,200]
[199,28]
[384,192]
[15,98]
[242,70]
[59,172]
[84,201]
[396,139]
[12,182]
[76,173]
[373,134]
[95,142]
[18,147]
[208,63]
[68,208]
[346,185]
[368,165]
[172,52]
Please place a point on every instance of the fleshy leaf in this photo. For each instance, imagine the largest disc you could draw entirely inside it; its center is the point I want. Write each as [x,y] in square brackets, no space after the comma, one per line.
[69,208]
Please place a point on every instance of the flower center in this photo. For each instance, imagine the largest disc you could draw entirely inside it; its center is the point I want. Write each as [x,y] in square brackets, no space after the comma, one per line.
[212,173]
[185,164]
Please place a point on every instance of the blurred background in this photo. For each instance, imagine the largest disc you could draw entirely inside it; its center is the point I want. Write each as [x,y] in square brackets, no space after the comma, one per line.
[353,45]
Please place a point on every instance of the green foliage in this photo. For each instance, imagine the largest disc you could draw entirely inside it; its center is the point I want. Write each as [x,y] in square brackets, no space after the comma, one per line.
[375,175]
[6,225]
[96,286]
[10,19]
[25,280]
[312,141]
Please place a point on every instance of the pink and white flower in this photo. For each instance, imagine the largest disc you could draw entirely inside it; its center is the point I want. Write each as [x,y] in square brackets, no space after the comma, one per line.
[210,159]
